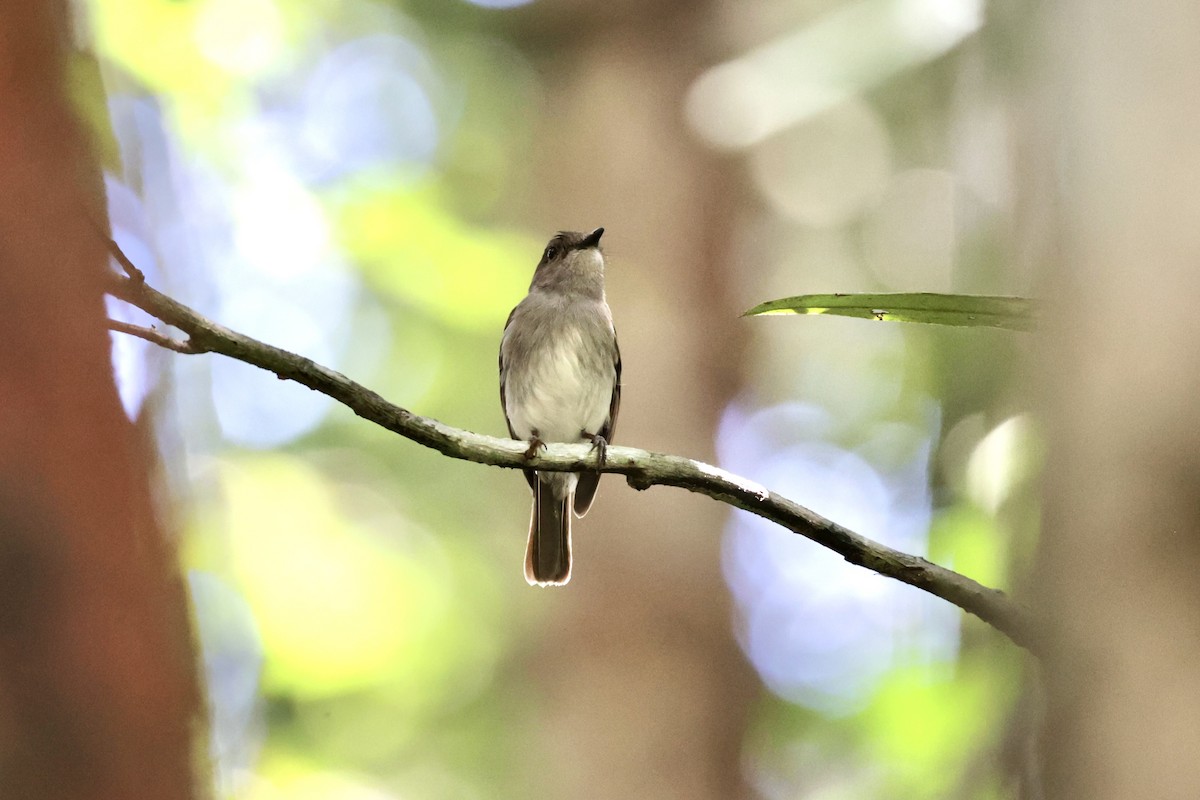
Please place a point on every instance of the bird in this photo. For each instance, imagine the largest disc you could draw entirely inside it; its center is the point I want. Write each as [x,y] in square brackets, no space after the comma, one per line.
[560,381]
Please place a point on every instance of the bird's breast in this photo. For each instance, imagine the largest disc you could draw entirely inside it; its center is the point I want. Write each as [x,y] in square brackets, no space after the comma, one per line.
[560,389]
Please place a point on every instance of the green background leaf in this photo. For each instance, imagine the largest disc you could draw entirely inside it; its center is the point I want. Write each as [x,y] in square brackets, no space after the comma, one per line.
[1013,313]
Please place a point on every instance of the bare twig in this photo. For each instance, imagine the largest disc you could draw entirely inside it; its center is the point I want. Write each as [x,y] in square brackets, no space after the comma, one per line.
[135,274]
[151,335]
[642,469]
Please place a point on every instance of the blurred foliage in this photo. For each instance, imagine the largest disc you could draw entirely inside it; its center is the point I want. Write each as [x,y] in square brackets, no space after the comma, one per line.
[413,249]
[929,728]
[339,610]
[86,84]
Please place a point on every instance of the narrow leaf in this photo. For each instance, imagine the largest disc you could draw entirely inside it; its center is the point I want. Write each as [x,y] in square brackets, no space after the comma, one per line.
[1013,313]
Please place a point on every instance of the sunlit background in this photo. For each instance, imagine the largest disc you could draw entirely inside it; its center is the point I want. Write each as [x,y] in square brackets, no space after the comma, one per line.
[370,184]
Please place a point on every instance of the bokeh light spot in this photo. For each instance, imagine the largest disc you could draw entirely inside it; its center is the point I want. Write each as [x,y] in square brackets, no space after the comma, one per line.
[243,37]
[821,632]
[255,408]
[853,48]
[1007,455]
[366,105]
[280,228]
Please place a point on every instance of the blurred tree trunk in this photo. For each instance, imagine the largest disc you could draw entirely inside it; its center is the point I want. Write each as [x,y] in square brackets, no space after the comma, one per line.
[98,694]
[647,691]
[1120,555]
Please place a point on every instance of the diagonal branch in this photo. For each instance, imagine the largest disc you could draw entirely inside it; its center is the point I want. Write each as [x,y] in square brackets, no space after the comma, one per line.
[641,468]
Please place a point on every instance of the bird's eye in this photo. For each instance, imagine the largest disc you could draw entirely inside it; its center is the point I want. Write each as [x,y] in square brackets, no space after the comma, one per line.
[550,253]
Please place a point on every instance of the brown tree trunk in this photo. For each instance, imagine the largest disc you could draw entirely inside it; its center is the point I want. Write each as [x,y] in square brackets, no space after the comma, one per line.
[1120,557]
[98,693]
[647,694]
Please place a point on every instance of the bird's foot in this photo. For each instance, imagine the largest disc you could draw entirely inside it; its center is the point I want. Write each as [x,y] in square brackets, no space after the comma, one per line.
[598,443]
[535,444]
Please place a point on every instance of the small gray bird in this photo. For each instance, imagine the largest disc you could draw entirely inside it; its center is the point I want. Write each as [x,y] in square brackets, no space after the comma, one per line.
[560,381]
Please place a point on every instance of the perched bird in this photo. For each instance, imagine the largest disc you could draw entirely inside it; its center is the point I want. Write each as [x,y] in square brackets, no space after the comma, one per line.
[560,381]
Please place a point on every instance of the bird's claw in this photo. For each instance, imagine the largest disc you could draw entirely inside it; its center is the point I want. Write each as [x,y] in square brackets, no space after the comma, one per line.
[598,443]
[535,444]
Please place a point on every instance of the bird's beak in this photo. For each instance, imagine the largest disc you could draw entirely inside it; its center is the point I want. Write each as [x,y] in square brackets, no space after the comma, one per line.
[592,239]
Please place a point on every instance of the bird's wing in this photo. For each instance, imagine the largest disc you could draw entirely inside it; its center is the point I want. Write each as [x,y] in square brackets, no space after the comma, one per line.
[585,489]
[530,475]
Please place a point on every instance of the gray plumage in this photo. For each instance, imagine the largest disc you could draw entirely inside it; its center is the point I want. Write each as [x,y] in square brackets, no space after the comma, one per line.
[560,381]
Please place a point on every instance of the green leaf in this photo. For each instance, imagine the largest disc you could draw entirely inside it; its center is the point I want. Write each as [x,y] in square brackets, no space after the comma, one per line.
[1013,313]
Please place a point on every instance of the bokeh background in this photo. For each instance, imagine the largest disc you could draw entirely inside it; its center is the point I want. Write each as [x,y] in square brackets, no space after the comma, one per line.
[370,184]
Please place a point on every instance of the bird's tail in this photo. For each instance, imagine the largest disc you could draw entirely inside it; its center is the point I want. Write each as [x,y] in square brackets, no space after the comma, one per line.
[548,555]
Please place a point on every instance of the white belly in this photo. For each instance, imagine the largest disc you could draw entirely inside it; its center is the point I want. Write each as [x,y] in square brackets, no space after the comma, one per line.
[553,396]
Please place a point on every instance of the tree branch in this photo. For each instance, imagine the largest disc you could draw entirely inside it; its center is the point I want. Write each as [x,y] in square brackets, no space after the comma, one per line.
[641,468]
[153,336]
